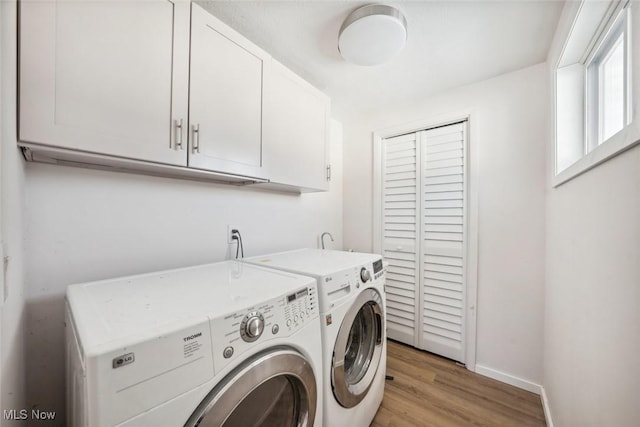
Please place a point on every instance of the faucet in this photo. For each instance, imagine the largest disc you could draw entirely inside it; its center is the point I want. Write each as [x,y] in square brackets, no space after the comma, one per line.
[322,238]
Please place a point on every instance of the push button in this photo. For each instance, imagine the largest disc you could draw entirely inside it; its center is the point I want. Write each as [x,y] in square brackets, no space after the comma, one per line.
[227,352]
[275,329]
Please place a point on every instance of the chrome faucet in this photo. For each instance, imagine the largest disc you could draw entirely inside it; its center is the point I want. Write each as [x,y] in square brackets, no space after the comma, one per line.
[322,238]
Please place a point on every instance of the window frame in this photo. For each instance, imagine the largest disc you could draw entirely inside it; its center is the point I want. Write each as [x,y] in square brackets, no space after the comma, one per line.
[574,43]
[618,33]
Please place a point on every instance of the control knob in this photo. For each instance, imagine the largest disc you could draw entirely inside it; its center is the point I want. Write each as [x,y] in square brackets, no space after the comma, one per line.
[365,276]
[252,326]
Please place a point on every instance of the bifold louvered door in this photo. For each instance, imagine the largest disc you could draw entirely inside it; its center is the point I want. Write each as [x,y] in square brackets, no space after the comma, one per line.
[400,214]
[423,238]
[442,240]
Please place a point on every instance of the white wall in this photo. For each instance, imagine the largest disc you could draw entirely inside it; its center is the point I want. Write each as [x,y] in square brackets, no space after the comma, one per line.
[85,225]
[507,139]
[12,313]
[592,294]
[592,314]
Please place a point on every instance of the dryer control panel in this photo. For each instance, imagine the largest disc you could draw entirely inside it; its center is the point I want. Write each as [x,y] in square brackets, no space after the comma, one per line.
[235,333]
[337,288]
[298,308]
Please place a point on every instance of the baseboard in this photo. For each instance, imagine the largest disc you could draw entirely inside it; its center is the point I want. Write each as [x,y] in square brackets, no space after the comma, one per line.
[545,407]
[508,379]
[520,383]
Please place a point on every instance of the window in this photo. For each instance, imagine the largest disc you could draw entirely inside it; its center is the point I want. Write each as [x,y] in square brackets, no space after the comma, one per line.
[594,120]
[608,85]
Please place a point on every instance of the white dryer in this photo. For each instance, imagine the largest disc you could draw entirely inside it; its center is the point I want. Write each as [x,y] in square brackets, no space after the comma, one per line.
[352,319]
[226,344]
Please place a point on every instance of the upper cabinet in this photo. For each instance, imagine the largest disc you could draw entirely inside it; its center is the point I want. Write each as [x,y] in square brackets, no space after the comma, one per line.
[105,77]
[296,131]
[163,87]
[225,98]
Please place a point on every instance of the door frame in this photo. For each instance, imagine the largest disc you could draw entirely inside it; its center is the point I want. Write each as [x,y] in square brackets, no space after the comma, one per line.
[471,220]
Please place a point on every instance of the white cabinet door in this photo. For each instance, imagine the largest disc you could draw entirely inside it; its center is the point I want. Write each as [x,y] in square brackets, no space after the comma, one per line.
[296,130]
[225,98]
[105,77]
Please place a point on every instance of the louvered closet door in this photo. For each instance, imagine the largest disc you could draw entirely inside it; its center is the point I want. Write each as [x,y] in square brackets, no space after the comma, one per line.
[443,240]
[423,238]
[400,214]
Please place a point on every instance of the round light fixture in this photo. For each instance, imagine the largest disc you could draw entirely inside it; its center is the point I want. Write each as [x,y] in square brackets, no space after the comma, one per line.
[372,34]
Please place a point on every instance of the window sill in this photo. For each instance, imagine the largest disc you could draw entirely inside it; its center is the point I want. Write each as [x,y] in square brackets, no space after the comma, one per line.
[618,143]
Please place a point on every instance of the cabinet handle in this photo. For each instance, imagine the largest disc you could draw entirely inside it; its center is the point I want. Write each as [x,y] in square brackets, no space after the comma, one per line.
[196,137]
[178,136]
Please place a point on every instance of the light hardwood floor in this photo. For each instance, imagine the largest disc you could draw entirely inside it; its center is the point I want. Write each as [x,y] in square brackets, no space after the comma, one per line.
[428,390]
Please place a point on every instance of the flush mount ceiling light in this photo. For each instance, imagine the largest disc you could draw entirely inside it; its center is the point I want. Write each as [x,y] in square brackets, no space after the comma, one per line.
[372,34]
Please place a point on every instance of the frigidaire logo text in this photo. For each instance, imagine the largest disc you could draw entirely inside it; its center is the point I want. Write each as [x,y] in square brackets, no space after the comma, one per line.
[192,337]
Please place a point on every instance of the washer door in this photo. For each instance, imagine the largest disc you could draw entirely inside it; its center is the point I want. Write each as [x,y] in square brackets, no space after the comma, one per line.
[358,349]
[273,388]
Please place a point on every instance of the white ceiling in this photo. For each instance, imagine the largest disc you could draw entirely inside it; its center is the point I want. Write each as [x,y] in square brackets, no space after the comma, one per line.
[450,43]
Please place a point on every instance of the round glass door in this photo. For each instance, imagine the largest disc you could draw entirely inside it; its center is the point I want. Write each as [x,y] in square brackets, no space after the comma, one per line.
[358,349]
[277,388]
[272,403]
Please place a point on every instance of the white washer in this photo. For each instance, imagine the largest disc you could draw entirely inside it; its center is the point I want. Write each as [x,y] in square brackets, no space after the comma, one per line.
[352,319]
[220,344]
